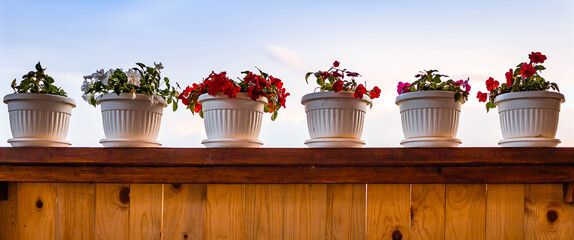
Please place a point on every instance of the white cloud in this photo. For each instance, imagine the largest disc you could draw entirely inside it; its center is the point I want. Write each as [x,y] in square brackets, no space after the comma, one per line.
[286,56]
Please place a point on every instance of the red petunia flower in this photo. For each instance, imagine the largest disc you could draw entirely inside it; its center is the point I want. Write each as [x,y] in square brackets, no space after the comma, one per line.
[527,70]
[338,86]
[375,92]
[481,96]
[537,57]
[491,84]
[359,91]
[197,107]
[509,77]
[336,64]
[254,93]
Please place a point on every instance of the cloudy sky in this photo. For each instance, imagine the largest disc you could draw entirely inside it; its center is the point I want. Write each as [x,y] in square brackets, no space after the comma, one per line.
[386,41]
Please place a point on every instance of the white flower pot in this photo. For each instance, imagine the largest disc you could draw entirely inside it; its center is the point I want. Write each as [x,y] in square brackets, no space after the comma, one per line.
[39,120]
[130,122]
[334,119]
[232,122]
[429,118]
[529,119]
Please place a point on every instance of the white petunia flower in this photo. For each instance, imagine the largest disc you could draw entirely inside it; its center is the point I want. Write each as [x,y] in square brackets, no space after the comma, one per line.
[86,97]
[153,98]
[86,86]
[88,77]
[133,77]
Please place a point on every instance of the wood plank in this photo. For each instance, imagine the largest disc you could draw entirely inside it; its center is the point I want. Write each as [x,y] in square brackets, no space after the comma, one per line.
[225,211]
[547,217]
[289,175]
[8,221]
[465,211]
[346,211]
[388,211]
[264,211]
[305,211]
[569,192]
[427,211]
[285,156]
[184,211]
[146,204]
[505,211]
[112,211]
[36,211]
[75,211]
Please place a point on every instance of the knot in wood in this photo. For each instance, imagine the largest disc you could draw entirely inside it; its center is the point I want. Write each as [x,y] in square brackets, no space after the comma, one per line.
[39,204]
[125,195]
[552,216]
[397,235]
[176,185]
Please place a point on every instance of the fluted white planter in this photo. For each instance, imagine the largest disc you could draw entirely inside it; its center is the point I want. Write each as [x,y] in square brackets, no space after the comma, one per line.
[529,119]
[130,122]
[232,122]
[39,120]
[429,118]
[334,120]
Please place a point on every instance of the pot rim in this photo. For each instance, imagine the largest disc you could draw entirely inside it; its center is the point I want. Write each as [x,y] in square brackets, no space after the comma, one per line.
[529,94]
[127,96]
[330,94]
[240,95]
[424,94]
[39,96]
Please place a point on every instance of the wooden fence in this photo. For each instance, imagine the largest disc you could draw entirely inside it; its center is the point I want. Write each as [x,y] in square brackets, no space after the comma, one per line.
[38,204]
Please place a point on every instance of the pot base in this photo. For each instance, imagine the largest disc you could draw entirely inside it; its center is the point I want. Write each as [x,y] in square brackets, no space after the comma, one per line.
[334,143]
[431,142]
[38,142]
[529,142]
[231,143]
[128,142]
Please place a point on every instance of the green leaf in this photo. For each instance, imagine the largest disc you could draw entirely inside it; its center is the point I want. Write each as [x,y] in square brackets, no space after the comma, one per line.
[174,106]
[201,113]
[39,67]
[307,76]
[274,116]
[457,97]
[267,108]
[13,85]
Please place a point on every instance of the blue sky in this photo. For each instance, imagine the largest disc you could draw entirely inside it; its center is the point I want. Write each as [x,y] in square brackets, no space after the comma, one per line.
[385,41]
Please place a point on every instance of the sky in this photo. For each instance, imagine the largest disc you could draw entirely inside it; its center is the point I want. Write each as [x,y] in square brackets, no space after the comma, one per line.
[385,41]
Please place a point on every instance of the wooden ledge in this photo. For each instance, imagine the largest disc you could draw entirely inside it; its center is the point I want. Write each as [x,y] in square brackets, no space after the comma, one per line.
[288,165]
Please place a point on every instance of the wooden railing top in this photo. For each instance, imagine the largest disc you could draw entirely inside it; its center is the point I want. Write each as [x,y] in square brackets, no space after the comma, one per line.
[288,165]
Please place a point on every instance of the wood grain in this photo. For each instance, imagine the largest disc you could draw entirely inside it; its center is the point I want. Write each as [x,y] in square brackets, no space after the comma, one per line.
[427,211]
[75,211]
[388,211]
[146,204]
[225,211]
[285,156]
[505,211]
[184,211]
[346,211]
[264,211]
[112,211]
[465,211]
[289,175]
[8,220]
[36,211]
[305,211]
[547,217]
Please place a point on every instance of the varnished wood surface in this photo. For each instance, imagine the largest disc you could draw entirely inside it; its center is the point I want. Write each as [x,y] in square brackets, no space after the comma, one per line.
[288,165]
[286,211]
